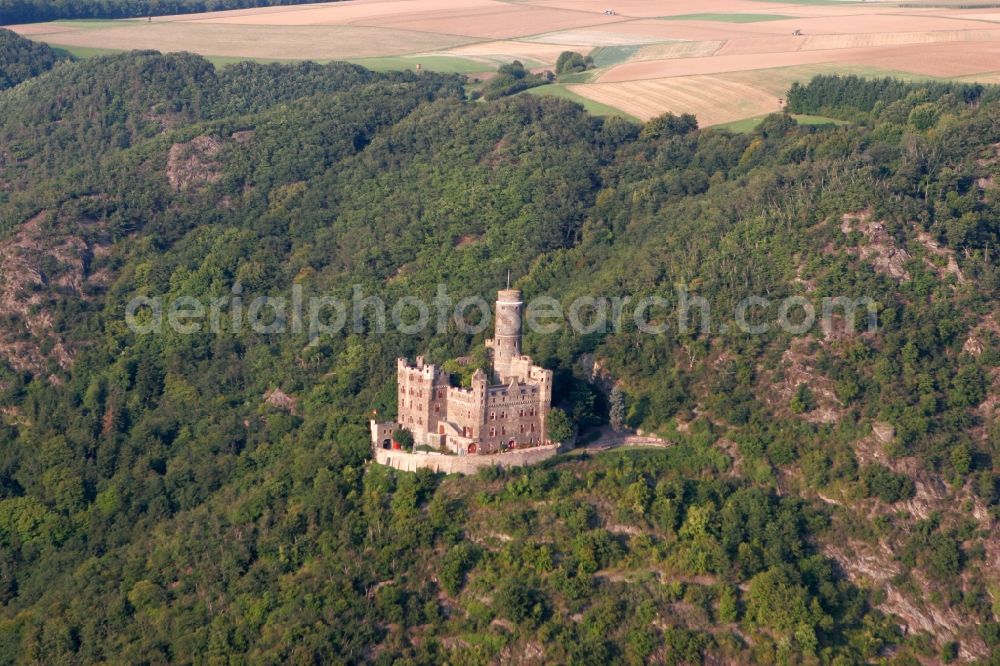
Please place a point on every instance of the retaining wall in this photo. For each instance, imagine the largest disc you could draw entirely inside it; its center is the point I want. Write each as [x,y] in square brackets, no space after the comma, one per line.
[438,462]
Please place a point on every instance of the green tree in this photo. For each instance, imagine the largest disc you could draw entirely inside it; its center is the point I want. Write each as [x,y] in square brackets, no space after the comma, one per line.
[616,411]
[403,437]
[571,62]
[558,426]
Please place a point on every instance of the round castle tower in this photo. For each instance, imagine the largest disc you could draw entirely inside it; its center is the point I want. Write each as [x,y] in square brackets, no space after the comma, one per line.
[507,341]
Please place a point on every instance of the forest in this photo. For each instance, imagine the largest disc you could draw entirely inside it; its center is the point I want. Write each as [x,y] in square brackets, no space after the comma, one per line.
[830,497]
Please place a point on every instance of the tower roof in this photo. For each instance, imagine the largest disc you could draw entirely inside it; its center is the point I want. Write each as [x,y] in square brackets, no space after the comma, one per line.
[509,297]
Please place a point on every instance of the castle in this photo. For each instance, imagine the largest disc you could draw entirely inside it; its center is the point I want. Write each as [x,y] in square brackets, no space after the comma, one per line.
[500,413]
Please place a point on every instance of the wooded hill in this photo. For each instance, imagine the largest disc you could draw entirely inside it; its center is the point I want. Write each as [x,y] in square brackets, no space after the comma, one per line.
[824,490]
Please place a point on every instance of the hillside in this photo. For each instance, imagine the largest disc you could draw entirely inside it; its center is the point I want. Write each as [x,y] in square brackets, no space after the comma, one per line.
[830,496]
[22,59]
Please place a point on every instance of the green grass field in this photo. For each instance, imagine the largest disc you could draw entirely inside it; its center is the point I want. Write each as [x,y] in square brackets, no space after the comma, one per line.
[749,124]
[443,64]
[605,56]
[92,24]
[595,108]
[728,18]
[580,77]
[84,51]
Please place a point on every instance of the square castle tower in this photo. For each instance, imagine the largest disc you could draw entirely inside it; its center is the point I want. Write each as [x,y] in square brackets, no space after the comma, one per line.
[506,411]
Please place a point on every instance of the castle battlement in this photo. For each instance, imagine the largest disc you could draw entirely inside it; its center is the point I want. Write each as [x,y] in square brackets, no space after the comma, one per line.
[500,413]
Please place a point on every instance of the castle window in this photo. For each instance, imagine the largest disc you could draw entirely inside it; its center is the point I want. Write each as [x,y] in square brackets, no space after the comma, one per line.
[522,427]
[503,430]
[493,432]
[493,416]
[532,427]
[520,412]
[503,415]
[437,408]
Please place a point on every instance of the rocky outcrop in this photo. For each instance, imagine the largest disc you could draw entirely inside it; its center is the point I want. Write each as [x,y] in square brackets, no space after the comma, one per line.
[879,247]
[36,263]
[195,163]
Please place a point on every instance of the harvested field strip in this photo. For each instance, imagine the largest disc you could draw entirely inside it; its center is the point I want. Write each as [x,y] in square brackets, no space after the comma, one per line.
[837,3]
[510,21]
[656,69]
[594,37]
[778,80]
[728,18]
[987,77]
[671,50]
[823,42]
[339,13]
[508,50]
[753,45]
[939,60]
[712,99]
[268,42]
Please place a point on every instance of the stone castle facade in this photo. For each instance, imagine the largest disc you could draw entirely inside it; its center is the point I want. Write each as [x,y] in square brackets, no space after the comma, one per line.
[498,413]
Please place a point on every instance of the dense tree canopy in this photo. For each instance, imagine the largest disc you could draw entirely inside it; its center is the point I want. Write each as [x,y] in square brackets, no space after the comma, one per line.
[155,506]
[22,59]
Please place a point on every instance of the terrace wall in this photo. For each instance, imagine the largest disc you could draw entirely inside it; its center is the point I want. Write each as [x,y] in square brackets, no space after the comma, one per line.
[411,462]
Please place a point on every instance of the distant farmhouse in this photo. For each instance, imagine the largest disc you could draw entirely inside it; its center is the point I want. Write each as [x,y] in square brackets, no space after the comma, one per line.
[503,413]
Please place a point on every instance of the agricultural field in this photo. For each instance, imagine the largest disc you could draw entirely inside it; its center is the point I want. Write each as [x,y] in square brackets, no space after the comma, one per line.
[724,60]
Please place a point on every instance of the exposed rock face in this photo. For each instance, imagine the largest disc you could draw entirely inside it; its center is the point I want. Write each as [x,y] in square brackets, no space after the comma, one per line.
[35,263]
[880,248]
[946,256]
[596,372]
[975,344]
[798,367]
[281,400]
[875,566]
[194,164]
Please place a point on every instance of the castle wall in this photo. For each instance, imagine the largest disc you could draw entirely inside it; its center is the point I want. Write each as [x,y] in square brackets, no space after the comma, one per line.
[411,462]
